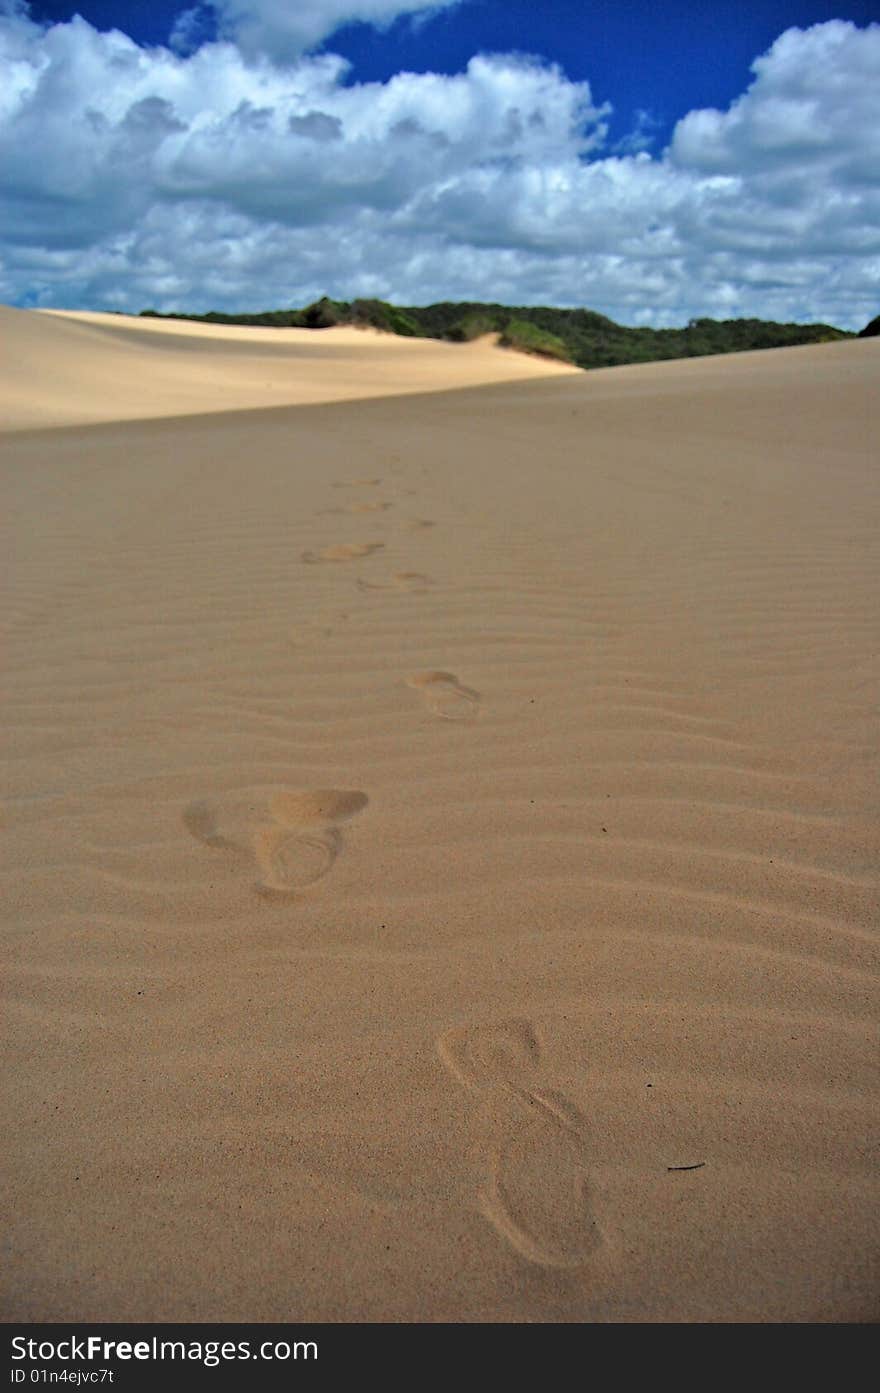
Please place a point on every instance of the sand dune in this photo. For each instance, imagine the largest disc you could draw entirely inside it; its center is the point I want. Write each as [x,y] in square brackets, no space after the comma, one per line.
[59,368]
[440,836]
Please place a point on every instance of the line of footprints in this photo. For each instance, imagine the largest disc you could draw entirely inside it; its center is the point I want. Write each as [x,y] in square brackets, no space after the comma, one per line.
[294,838]
[534,1190]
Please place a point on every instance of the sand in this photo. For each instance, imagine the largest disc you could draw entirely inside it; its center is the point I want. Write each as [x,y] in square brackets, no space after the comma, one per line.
[59,369]
[440,831]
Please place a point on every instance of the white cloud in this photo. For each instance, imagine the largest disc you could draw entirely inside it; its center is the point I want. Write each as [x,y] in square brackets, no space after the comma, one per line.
[283,30]
[191,29]
[815,100]
[221,179]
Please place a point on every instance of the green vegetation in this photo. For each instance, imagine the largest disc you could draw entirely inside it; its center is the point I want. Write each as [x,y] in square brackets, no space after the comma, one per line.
[528,338]
[871,330]
[471,327]
[577,336]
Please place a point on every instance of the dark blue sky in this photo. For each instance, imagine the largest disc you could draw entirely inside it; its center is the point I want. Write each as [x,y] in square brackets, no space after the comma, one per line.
[666,58]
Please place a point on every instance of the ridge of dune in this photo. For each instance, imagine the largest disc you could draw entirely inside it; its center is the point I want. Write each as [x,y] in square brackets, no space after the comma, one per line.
[440,842]
[65,368]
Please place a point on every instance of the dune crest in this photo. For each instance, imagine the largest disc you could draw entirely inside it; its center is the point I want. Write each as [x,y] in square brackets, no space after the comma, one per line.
[61,368]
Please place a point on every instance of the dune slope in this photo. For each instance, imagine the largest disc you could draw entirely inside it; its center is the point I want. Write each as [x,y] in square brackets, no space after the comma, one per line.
[63,368]
[440,853]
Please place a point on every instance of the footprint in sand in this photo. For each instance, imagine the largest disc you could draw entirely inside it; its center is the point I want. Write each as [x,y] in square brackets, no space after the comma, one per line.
[535,1190]
[357,483]
[294,838]
[445,696]
[419,524]
[411,582]
[348,551]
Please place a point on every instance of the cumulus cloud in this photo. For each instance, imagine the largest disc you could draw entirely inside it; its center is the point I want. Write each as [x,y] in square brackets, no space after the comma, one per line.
[282,31]
[226,178]
[191,29]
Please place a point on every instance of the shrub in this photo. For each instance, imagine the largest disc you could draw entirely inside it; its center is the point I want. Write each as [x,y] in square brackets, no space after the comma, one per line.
[473,326]
[323,314]
[528,338]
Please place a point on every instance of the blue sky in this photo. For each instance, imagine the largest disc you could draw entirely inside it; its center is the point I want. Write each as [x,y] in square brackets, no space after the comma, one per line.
[651,161]
[640,55]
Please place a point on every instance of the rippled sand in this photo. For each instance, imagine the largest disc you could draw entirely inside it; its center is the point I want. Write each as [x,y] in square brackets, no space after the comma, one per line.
[440,831]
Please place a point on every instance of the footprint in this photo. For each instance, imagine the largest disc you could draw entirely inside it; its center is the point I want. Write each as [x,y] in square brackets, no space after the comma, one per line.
[445,696]
[412,582]
[348,551]
[293,838]
[419,524]
[356,483]
[484,1057]
[536,1195]
[290,861]
[535,1190]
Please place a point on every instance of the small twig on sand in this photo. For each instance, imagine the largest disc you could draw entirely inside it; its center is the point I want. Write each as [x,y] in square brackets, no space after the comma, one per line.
[697,1166]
